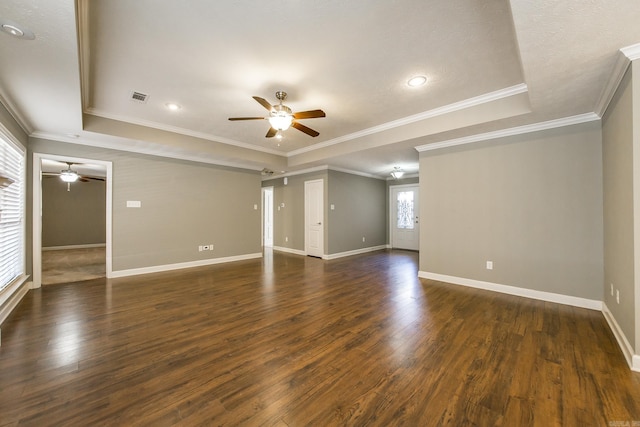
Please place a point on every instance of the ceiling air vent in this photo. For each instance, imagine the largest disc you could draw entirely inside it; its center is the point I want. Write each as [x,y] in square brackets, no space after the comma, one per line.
[139,97]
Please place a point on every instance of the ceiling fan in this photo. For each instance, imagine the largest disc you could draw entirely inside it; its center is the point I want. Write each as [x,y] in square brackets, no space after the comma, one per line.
[281,116]
[69,175]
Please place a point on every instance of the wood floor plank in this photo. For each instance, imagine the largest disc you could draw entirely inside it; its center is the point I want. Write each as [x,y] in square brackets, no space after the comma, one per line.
[289,340]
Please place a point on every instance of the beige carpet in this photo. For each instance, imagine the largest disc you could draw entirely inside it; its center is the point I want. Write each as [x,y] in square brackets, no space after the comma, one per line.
[72,265]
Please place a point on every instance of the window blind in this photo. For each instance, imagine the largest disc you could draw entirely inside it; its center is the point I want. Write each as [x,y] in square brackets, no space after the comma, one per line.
[11,212]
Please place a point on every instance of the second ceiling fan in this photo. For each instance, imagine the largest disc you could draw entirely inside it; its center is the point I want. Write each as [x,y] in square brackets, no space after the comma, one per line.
[281,117]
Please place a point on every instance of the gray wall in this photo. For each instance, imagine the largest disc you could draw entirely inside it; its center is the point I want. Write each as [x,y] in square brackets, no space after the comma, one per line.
[532,204]
[618,169]
[360,211]
[74,217]
[288,221]
[184,205]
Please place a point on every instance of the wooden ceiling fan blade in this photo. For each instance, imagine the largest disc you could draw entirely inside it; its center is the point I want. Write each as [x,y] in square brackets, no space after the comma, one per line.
[245,118]
[311,114]
[303,128]
[271,133]
[263,102]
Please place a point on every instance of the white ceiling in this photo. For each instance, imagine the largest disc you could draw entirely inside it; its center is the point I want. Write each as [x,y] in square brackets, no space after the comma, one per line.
[491,64]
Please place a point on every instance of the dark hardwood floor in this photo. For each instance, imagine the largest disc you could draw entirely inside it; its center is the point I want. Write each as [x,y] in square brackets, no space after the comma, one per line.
[293,341]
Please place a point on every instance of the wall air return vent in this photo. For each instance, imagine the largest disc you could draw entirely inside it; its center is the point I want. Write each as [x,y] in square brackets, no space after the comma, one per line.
[139,97]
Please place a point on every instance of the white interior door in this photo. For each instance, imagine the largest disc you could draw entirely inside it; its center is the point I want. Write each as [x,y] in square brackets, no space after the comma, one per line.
[314,217]
[267,216]
[405,225]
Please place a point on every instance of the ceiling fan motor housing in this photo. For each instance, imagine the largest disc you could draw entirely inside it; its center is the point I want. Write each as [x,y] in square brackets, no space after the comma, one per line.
[281,117]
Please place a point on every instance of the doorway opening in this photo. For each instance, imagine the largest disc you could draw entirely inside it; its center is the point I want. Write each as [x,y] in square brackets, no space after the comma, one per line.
[71,219]
[267,217]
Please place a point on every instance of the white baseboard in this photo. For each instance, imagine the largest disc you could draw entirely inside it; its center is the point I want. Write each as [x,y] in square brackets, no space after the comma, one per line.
[514,290]
[289,250]
[627,350]
[181,265]
[355,252]
[63,248]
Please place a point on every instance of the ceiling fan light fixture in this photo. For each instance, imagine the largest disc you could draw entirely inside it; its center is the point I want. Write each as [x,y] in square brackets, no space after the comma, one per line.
[397,172]
[68,176]
[280,120]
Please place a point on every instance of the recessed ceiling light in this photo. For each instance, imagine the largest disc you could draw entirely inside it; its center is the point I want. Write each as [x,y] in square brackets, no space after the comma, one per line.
[417,81]
[172,106]
[14,30]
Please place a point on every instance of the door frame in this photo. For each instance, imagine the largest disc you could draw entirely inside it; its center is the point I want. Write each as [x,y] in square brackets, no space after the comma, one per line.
[264,209]
[306,217]
[391,207]
[37,211]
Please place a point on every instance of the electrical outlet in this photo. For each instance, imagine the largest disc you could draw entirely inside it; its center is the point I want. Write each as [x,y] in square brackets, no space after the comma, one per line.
[618,296]
[611,288]
[363,239]
[210,246]
[286,239]
[489,265]
[200,248]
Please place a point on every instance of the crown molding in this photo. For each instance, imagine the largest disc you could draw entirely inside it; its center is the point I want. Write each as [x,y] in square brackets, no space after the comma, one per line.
[322,168]
[405,176]
[623,60]
[14,111]
[446,109]
[632,52]
[535,127]
[182,131]
[82,140]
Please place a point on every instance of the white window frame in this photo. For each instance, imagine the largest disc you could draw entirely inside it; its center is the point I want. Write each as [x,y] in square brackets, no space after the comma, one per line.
[10,289]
